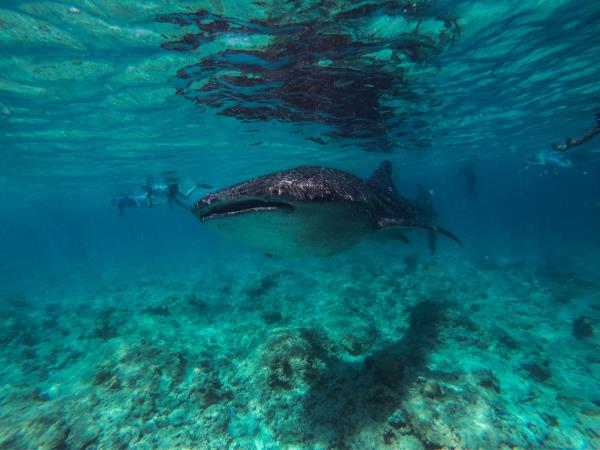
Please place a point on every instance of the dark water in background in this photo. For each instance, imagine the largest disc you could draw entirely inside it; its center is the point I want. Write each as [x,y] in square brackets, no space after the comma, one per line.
[520,216]
[89,112]
[97,96]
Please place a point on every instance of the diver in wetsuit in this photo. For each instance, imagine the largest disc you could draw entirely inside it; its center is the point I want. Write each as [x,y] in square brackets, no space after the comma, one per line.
[169,190]
[467,172]
[154,190]
[548,158]
[570,142]
[129,201]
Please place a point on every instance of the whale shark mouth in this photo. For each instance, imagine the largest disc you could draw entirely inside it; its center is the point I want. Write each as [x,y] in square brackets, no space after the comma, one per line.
[246,206]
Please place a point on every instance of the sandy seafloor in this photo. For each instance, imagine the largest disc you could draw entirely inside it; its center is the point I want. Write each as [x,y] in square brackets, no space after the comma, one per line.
[406,352]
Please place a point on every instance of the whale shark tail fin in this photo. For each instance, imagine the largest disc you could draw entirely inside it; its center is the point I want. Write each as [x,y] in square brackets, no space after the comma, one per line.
[432,230]
[382,177]
[424,201]
[431,241]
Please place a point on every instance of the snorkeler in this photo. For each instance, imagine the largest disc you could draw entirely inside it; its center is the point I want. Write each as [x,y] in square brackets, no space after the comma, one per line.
[547,158]
[129,201]
[174,195]
[153,190]
[467,173]
[570,142]
[169,190]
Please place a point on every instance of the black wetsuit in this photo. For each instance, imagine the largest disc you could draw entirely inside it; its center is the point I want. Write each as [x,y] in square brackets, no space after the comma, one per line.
[127,201]
[570,142]
[468,173]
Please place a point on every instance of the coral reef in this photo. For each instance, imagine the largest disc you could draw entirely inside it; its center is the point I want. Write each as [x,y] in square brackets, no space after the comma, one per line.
[407,353]
[582,328]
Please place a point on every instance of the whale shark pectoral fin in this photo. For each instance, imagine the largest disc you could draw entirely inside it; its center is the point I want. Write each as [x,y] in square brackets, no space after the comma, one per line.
[401,237]
[397,234]
[386,234]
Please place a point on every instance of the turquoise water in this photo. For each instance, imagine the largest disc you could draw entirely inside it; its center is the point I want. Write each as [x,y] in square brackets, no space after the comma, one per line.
[147,329]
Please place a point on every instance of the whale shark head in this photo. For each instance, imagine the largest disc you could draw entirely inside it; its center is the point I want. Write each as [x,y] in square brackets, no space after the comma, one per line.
[217,208]
[298,212]
[309,211]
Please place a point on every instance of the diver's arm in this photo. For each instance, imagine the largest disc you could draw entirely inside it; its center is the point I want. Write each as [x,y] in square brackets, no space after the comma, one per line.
[191,190]
[564,163]
[586,137]
[570,142]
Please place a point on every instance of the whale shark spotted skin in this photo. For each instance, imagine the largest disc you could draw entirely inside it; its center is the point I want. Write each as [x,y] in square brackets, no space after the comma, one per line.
[314,211]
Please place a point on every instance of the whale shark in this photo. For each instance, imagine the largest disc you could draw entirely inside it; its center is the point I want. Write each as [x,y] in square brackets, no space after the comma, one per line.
[315,211]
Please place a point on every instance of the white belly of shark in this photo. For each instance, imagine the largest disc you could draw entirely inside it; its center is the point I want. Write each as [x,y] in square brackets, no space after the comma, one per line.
[309,229]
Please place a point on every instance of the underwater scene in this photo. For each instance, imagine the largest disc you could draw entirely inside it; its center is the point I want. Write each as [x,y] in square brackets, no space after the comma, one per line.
[300,224]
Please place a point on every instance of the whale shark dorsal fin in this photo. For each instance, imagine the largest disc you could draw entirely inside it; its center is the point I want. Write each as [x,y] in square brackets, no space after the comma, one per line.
[382,176]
